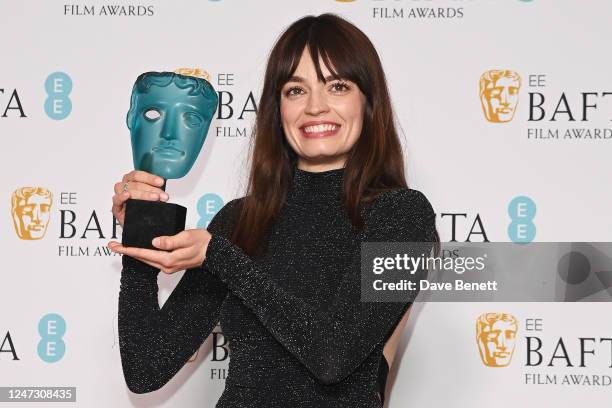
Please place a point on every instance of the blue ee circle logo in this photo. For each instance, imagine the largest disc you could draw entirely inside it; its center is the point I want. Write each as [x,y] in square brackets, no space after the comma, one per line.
[208,205]
[58,104]
[51,347]
[522,211]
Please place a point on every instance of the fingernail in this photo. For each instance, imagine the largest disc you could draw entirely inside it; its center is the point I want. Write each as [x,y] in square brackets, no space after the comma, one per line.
[159,180]
[155,242]
[164,196]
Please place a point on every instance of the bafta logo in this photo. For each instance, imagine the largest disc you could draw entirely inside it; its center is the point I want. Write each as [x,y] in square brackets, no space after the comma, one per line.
[496,336]
[499,91]
[31,208]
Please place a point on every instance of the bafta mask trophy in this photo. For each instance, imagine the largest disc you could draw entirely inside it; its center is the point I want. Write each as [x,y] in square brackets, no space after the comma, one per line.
[169,117]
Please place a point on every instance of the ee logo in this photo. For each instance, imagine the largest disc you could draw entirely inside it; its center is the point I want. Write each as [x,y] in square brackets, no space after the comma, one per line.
[522,211]
[208,205]
[58,104]
[51,347]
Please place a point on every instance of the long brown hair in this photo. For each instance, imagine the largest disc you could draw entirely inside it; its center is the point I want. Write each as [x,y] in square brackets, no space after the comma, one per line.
[375,163]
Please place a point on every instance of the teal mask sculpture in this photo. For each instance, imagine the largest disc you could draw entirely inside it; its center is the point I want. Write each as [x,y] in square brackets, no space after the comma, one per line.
[169,117]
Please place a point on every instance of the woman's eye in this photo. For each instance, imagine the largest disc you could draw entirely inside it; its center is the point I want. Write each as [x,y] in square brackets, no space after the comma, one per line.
[152,114]
[193,119]
[340,87]
[293,91]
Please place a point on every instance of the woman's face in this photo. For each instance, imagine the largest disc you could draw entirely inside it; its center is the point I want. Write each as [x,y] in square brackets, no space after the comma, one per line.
[321,121]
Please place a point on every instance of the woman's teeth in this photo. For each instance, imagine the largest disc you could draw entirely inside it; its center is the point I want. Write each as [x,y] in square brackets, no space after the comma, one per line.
[320,128]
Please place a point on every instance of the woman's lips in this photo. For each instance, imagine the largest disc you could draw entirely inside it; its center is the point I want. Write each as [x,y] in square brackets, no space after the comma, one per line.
[324,133]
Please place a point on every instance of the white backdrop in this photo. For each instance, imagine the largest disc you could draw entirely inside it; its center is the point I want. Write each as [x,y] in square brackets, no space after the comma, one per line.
[465,164]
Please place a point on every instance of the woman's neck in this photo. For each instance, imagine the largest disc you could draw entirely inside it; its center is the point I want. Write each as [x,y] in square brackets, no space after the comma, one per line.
[314,166]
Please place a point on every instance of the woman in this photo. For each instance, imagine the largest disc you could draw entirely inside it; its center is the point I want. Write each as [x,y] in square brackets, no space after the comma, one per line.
[280,267]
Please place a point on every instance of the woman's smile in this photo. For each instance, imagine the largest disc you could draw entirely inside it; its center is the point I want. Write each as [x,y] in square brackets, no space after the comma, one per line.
[316,129]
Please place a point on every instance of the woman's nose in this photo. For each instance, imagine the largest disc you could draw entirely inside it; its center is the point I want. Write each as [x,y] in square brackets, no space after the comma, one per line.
[317,103]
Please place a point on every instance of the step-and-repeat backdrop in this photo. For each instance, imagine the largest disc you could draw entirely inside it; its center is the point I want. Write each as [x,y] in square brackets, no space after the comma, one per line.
[504,108]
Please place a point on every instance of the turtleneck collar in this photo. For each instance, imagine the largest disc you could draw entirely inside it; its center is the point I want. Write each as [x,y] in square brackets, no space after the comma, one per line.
[318,183]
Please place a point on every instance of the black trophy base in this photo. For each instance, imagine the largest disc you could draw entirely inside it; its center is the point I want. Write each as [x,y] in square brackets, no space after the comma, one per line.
[145,220]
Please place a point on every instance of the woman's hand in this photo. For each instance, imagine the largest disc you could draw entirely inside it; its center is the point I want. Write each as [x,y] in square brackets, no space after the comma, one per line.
[139,185]
[185,250]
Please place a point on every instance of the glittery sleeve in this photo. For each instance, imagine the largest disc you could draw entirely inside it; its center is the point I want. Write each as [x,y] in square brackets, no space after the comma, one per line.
[156,342]
[330,343]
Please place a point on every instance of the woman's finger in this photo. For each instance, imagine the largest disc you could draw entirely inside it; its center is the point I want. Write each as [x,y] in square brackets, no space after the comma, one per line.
[141,189]
[134,185]
[146,188]
[145,195]
[137,185]
[170,243]
[168,262]
[118,187]
[143,177]
[118,208]
[162,258]
[119,201]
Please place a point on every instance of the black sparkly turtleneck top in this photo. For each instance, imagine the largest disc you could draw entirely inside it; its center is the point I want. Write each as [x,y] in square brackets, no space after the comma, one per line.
[299,335]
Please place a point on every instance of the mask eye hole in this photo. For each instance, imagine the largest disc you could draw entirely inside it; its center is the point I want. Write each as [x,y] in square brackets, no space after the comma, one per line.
[152,114]
[193,119]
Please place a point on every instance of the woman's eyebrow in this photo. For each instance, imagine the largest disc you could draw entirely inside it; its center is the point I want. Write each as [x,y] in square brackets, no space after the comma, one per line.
[296,78]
